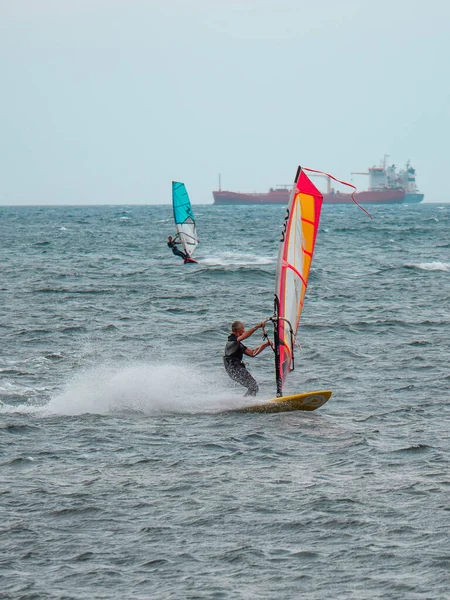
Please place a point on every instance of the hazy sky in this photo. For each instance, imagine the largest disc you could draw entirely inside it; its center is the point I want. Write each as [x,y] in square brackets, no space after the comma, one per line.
[108,101]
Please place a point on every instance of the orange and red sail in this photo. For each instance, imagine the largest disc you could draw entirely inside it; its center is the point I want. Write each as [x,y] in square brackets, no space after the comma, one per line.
[294,261]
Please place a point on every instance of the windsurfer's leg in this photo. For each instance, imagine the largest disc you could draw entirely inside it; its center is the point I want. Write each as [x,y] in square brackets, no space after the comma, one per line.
[179,253]
[252,386]
[239,373]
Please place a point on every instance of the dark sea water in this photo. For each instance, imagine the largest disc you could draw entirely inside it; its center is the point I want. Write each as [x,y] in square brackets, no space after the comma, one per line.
[123,476]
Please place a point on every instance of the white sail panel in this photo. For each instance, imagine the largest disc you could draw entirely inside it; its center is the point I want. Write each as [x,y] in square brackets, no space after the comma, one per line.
[187,233]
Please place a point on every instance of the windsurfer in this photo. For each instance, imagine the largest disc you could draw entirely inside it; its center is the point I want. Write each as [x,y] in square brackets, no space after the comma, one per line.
[234,351]
[172,243]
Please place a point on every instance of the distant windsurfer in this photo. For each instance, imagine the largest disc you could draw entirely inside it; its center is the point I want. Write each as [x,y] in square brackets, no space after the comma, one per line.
[172,243]
[234,351]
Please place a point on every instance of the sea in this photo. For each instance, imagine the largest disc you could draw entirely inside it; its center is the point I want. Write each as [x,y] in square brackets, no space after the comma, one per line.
[125,472]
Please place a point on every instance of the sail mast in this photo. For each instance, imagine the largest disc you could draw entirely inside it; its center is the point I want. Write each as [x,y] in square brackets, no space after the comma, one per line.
[276,343]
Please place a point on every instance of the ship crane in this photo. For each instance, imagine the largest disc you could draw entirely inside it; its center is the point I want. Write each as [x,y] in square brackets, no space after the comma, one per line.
[328,180]
[359,173]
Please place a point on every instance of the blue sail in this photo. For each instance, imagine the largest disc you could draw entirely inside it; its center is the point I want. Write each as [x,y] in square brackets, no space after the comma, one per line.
[184,217]
[182,209]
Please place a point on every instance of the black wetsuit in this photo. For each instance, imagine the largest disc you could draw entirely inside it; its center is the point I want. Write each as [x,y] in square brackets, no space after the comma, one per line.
[173,246]
[234,351]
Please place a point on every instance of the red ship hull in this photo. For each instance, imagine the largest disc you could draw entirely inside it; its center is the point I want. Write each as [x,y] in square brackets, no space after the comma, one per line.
[388,196]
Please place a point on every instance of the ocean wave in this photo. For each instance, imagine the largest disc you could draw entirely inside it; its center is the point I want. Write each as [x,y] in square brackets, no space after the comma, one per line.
[17,429]
[133,273]
[231,271]
[237,259]
[414,448]
[18,462]
[51,290]
[432,266]
[12,371]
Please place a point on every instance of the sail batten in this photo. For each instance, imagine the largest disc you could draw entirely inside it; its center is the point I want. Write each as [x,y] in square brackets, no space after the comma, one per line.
[184,218]
[294,261]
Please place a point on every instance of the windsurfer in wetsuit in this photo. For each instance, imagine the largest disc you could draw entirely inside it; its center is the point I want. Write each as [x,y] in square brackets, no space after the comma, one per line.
[172,243]
[234,351]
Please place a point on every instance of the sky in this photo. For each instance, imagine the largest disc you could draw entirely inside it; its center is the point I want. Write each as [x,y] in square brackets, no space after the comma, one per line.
[108,101]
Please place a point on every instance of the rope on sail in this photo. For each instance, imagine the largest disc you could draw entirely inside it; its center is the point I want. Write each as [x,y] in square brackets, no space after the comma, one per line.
[343,183]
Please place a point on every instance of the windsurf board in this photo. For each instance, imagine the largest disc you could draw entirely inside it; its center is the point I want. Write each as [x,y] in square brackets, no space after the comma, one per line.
[306,401]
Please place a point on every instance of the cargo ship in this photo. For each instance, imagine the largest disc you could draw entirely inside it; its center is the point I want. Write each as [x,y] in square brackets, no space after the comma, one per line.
[386,186]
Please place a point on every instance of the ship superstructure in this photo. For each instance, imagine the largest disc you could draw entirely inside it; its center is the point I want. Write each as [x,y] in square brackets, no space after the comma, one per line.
[386,177]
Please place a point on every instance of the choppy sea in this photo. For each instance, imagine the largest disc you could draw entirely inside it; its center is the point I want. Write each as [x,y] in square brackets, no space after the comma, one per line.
[123,473]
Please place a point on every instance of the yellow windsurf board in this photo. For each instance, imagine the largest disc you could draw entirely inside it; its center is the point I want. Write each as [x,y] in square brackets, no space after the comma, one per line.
[307,401]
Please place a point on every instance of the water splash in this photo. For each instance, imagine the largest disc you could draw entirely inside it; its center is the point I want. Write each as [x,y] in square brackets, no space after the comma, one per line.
[146,388]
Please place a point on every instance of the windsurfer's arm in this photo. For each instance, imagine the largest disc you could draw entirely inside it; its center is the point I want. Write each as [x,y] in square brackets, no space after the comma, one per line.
[250,331]
[258,350]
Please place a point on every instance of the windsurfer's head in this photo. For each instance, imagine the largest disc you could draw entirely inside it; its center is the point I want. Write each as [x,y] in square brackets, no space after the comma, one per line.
[170,238]
[237,326]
